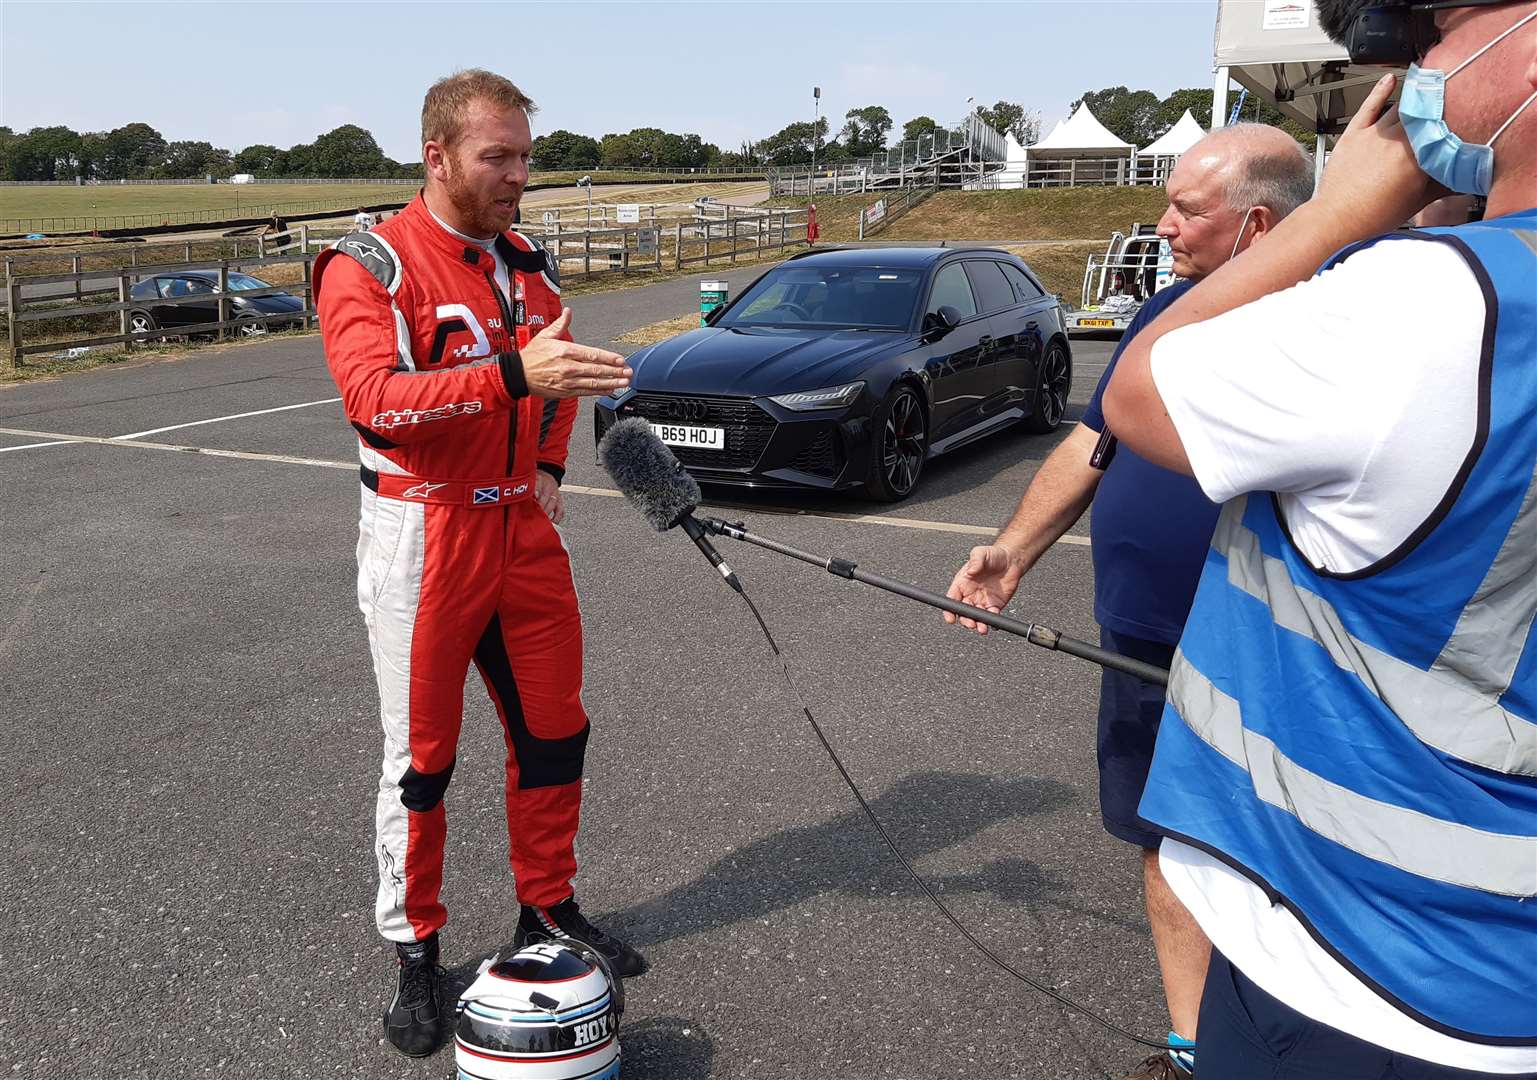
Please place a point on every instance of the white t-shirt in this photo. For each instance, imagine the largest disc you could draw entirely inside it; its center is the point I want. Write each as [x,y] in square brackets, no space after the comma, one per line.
[1354,397]
[486,244]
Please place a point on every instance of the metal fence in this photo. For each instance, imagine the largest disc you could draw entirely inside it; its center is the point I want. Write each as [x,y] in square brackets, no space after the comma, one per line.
[948,156]
[881,213]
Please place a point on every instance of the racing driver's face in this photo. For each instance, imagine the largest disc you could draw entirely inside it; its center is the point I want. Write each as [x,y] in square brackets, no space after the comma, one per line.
[485,170]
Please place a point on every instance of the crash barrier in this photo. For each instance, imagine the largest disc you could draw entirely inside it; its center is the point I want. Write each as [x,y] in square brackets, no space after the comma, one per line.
[27,305]
[881,213]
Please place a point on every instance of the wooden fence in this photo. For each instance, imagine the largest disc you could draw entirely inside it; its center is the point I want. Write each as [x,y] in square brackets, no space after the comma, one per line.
[743,234]
[17,315]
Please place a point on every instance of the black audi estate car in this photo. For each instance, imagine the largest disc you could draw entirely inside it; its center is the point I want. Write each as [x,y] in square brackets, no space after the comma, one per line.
[848,369]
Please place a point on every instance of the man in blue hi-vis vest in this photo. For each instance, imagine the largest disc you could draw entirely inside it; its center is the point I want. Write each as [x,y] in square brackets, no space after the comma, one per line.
[1346,770]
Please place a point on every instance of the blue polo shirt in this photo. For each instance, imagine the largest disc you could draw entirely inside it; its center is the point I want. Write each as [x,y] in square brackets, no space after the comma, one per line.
[1150,527]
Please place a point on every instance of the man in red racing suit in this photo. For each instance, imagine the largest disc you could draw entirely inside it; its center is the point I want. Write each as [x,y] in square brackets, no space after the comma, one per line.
[446,336]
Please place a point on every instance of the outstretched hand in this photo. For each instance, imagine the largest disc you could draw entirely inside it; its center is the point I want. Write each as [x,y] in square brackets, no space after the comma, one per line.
[988,581]
[556,368]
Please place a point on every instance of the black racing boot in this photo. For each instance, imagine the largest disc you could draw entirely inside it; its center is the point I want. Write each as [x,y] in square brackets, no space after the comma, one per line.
[412,1021]
[565,920]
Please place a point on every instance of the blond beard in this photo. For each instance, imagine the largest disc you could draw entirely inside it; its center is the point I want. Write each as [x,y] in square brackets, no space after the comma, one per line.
[479,219]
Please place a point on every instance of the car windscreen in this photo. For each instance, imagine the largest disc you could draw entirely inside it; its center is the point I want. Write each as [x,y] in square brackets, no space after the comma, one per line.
[246,281]
[829,297]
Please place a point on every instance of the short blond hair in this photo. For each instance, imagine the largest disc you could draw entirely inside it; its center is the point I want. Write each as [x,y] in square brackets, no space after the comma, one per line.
[450,98]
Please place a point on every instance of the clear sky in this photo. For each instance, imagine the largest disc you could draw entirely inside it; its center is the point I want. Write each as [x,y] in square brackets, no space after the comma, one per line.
[236,72]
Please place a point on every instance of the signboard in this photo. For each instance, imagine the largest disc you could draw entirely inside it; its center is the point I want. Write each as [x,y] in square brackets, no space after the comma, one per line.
[875,212]
[550,217]
[629,214]
[645,241]
[1285,15]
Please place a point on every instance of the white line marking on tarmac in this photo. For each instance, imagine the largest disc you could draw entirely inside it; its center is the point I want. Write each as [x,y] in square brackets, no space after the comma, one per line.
[573,489]
[174,427]
[122,440]
[34,445]
[233,416]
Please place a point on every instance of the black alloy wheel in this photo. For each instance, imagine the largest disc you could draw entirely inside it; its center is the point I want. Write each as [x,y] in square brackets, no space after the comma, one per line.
[903,443]
[1051,390]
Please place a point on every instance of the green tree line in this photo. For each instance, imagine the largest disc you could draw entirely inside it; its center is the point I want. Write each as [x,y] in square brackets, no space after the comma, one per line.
[139,152]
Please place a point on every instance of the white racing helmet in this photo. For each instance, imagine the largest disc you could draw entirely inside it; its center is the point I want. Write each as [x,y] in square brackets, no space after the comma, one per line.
[548,1012]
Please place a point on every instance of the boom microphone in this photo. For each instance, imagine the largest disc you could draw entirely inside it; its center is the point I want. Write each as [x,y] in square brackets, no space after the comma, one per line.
[652,478]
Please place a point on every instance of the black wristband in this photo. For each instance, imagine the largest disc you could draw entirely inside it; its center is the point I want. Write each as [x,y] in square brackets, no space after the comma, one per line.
[511,365]
[554,470]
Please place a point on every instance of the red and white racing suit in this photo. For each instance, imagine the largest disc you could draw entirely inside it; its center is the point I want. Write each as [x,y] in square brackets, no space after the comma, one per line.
[457,563]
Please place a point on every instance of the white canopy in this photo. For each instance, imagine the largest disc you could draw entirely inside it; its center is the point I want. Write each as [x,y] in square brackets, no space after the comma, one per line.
[1185,133]
[1080,135]
[1277,50]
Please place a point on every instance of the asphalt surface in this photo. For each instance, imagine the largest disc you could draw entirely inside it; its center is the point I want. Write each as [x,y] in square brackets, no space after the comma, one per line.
[192,748]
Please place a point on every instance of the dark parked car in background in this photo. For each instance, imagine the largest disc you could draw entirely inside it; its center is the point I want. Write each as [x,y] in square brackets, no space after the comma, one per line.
[151,312]
[850,368]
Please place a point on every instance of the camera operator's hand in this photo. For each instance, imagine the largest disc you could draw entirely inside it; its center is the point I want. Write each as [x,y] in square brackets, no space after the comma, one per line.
[988,581]
[554,368]
[1372,183]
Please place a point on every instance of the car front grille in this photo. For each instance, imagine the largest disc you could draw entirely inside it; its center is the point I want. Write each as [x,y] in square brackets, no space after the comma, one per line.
[820,458]
[747,427]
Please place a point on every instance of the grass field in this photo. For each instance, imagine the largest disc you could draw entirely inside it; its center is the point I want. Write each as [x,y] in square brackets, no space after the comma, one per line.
[108,200]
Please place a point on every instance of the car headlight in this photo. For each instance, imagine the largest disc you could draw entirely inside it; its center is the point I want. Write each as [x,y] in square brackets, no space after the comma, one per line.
[829,397]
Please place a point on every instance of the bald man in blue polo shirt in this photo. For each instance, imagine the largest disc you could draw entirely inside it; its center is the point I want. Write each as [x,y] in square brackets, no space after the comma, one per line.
[1150,531]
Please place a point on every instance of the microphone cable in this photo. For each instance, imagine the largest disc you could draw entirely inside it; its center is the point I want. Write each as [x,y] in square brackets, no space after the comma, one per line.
[1054,994]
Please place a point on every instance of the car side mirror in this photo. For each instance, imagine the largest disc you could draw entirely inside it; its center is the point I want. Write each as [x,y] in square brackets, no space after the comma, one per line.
[940,322]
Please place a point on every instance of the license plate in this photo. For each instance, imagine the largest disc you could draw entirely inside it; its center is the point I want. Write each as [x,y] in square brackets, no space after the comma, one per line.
[1096,322]
[695,438]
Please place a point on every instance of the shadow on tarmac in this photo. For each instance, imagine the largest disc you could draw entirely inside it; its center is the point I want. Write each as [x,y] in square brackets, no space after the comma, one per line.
[925,812]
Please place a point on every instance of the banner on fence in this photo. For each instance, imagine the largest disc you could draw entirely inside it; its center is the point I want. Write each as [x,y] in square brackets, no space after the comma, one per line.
[875,211]
[629,213]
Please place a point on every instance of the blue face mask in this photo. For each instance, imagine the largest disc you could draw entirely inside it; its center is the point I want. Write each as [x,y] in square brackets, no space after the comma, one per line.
[1463,167]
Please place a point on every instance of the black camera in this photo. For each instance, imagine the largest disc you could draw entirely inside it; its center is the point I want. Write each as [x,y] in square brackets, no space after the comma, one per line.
[1390,36]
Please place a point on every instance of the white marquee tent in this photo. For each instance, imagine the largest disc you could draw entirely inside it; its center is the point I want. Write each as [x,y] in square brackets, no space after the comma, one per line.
[1156,160]
[1079,150]
[1185,133]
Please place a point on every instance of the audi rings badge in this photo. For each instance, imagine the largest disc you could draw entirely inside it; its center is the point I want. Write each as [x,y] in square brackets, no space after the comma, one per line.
[686,409]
